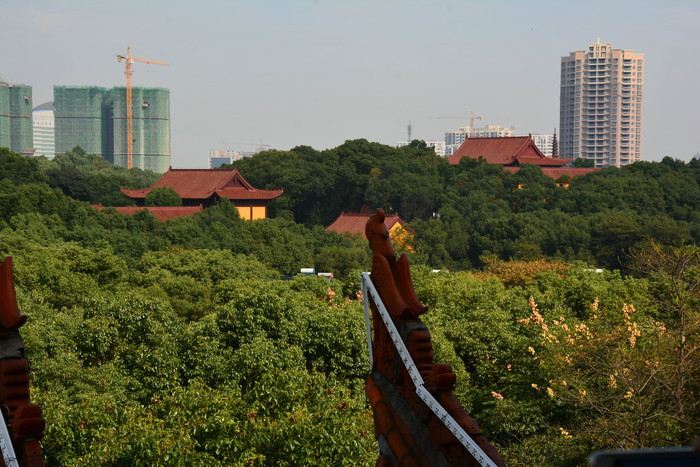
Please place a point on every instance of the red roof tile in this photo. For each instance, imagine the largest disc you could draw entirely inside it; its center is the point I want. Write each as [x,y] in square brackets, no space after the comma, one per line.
[241,193]
[355,223]
[204,183]
[542,161]
[504,151]
[162,213]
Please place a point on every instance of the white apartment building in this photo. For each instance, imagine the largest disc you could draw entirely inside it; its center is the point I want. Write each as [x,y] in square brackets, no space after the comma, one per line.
[219,158]
[544,143]
[600,115]
[44,130]
[454,139]
[438,146]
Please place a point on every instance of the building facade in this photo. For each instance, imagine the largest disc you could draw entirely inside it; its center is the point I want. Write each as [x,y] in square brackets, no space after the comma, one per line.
[600,115]
[438,146]
[544,143]
[83,117]
[94,118]
[16,117]
[454,139]
[151,128]
[44,130]
[226,157]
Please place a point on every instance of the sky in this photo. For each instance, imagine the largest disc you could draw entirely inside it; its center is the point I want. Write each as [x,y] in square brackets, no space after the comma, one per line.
[320,72]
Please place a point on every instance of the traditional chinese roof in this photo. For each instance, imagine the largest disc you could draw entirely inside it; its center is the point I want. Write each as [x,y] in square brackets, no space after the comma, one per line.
[506,151]
[355,223]
[201,184]
[162,213]
[512,152]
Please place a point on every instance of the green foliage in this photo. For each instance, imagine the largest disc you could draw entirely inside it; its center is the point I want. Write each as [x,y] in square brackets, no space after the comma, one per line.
[587,163]
[163,196]
[176,343]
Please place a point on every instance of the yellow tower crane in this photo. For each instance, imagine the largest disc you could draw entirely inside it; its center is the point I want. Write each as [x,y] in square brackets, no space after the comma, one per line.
[471,118]
[129,110]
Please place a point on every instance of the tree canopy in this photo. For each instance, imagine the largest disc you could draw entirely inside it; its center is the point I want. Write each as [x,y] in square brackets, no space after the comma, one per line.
[178,342]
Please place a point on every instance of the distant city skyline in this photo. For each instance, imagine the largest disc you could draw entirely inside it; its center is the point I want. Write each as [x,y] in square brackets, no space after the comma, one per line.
[317,73]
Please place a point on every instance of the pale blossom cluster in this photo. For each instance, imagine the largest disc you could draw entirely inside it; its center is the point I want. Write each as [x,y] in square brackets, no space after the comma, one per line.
[627,311]
[536,317]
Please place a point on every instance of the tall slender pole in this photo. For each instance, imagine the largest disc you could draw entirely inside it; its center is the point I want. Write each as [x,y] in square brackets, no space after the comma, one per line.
[129,113]
[129,107]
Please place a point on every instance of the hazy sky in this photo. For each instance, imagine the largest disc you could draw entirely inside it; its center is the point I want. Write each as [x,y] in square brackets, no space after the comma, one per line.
[320,72]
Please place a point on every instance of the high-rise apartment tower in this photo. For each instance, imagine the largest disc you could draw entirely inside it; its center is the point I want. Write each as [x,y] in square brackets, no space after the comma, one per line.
[44,130]
[94,118]
[16,117]
[600,116]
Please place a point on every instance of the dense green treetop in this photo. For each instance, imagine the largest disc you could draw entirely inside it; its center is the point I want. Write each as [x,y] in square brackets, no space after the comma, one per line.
[178,343]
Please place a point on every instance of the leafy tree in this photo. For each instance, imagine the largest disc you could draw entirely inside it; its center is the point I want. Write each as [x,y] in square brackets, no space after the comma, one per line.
[163,196]
[583,163]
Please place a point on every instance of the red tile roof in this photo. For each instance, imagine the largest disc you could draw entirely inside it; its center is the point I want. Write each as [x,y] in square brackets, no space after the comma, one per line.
[505,151]
[242,193]
[200,184]
[512,152]
[162,213]
[355,223]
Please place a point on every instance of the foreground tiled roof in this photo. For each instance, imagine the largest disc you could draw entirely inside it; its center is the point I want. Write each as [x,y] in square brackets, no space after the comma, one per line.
[355,223]
[162,213]
[204,183]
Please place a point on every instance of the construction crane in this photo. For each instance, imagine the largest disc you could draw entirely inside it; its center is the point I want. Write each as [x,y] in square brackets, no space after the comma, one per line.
[471,118]
[129,110]
[261,146]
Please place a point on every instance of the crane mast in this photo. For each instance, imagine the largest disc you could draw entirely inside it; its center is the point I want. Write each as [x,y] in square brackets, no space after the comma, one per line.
[471,118]
[129,60]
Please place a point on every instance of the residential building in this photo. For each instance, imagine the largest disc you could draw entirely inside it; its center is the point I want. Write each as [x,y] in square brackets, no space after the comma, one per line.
[601,105]
[150,124]
[454,139]
[16,117]
[544,143]
[226,157]
[94,118]
[83,117]
[44,130]
[438,146]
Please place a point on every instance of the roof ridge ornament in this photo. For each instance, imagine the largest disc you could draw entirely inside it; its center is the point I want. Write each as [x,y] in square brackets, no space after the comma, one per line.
[408,391]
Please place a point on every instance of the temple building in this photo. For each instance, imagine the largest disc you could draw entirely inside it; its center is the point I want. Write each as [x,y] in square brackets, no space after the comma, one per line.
[206,187]
[354,223]
[512,152]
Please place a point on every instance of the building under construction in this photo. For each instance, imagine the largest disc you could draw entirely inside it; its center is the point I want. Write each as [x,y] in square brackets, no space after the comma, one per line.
[16,117]
[94,118]
[83,117]
[151,128]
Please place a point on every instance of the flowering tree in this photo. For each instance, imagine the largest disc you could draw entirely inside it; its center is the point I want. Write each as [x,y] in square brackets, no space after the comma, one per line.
[633,377]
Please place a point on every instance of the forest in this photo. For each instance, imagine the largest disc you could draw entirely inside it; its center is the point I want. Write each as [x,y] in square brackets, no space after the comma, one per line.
[178,343]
